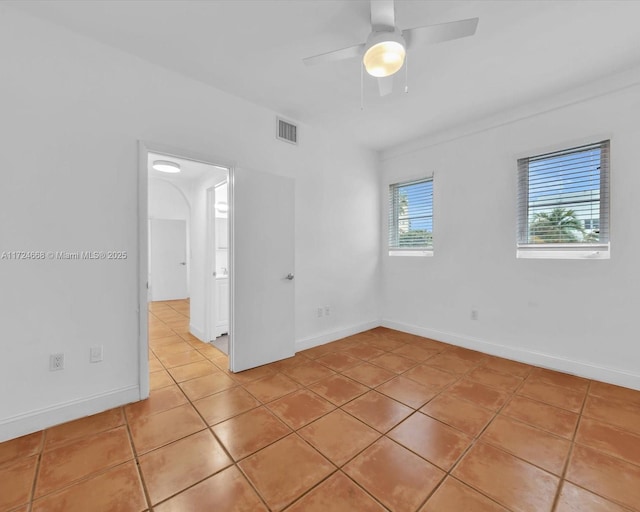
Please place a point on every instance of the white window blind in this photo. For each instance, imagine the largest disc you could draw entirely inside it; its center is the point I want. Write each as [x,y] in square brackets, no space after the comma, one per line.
[411,215]
[563,199]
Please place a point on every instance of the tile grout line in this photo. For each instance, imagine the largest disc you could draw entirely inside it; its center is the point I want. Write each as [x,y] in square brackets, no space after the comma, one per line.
[340,372]
[475,439]
[363,361]
[571,447]
[136,459]
[177,384]
[295,431]
[82,479]
[307,491]
[303,387]
[190,402]
[68,443]
[415,410]
[339,469]
[335,350]
[571,441]
[234,463]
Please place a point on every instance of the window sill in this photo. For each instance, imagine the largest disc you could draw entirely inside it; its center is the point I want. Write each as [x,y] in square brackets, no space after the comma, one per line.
[403,252]
[597,252]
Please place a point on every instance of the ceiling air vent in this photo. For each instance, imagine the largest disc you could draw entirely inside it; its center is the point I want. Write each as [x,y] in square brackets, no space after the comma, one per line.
[286,131]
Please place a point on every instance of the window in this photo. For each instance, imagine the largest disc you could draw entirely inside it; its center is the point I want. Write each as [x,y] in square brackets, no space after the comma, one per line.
[411,218]
[592,224]
[563,203]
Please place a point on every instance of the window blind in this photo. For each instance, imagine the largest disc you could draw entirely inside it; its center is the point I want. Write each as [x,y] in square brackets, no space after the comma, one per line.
[563,197]
[411,215]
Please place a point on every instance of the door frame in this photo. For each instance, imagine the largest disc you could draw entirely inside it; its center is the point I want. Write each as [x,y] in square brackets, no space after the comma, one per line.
[210,284]
[144,148]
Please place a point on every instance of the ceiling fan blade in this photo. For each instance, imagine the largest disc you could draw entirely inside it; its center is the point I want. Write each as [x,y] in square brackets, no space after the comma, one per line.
[385,85]
[344,53]
[383,16]
[432,34]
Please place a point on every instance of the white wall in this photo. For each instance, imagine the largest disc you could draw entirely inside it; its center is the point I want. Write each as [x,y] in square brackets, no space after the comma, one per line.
[167,201]
[337,244]
[572,315]
[72,113]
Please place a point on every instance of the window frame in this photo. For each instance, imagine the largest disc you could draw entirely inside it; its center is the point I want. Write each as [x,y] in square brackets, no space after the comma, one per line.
[576,250]
[393,219]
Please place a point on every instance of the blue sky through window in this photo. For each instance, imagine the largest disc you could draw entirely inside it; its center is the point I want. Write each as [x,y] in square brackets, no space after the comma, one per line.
[570,181]
[419,205]
[565,175]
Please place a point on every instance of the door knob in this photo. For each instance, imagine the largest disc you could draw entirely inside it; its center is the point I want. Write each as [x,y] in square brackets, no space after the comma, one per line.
[183,263]
[289,276]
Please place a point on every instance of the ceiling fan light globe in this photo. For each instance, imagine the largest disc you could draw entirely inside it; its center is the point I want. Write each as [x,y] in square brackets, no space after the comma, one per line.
[384,58]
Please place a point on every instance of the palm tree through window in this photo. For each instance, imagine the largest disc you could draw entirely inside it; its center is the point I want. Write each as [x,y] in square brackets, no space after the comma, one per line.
[563,196]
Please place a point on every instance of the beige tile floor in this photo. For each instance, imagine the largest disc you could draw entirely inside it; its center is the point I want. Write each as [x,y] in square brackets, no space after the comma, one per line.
[382,420]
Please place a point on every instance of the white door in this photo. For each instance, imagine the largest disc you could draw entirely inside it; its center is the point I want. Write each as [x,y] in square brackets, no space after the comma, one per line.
[262,285]
[168,259]
[222,307]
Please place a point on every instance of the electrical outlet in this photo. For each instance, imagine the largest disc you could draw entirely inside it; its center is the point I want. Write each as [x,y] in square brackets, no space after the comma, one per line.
[319,312]
[95,354]
[56,362]
[327,310]
[474,314]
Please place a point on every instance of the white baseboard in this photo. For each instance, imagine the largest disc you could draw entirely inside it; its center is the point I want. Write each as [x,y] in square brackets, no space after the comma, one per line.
[550,361]
[198,333]
[32,421]
[327,337]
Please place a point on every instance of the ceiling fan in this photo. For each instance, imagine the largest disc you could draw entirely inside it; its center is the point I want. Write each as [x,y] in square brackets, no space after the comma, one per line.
[384,52]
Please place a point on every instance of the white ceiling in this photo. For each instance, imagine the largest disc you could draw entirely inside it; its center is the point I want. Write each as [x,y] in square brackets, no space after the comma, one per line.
[523,51]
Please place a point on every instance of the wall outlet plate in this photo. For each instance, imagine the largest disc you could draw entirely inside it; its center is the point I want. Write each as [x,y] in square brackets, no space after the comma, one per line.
[56,362]
[95,354]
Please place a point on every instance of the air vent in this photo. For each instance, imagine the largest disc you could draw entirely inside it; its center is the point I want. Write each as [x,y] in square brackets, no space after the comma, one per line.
[286,131]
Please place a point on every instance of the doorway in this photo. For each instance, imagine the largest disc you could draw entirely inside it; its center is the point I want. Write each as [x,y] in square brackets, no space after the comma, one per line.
[179,236]
[259,250]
